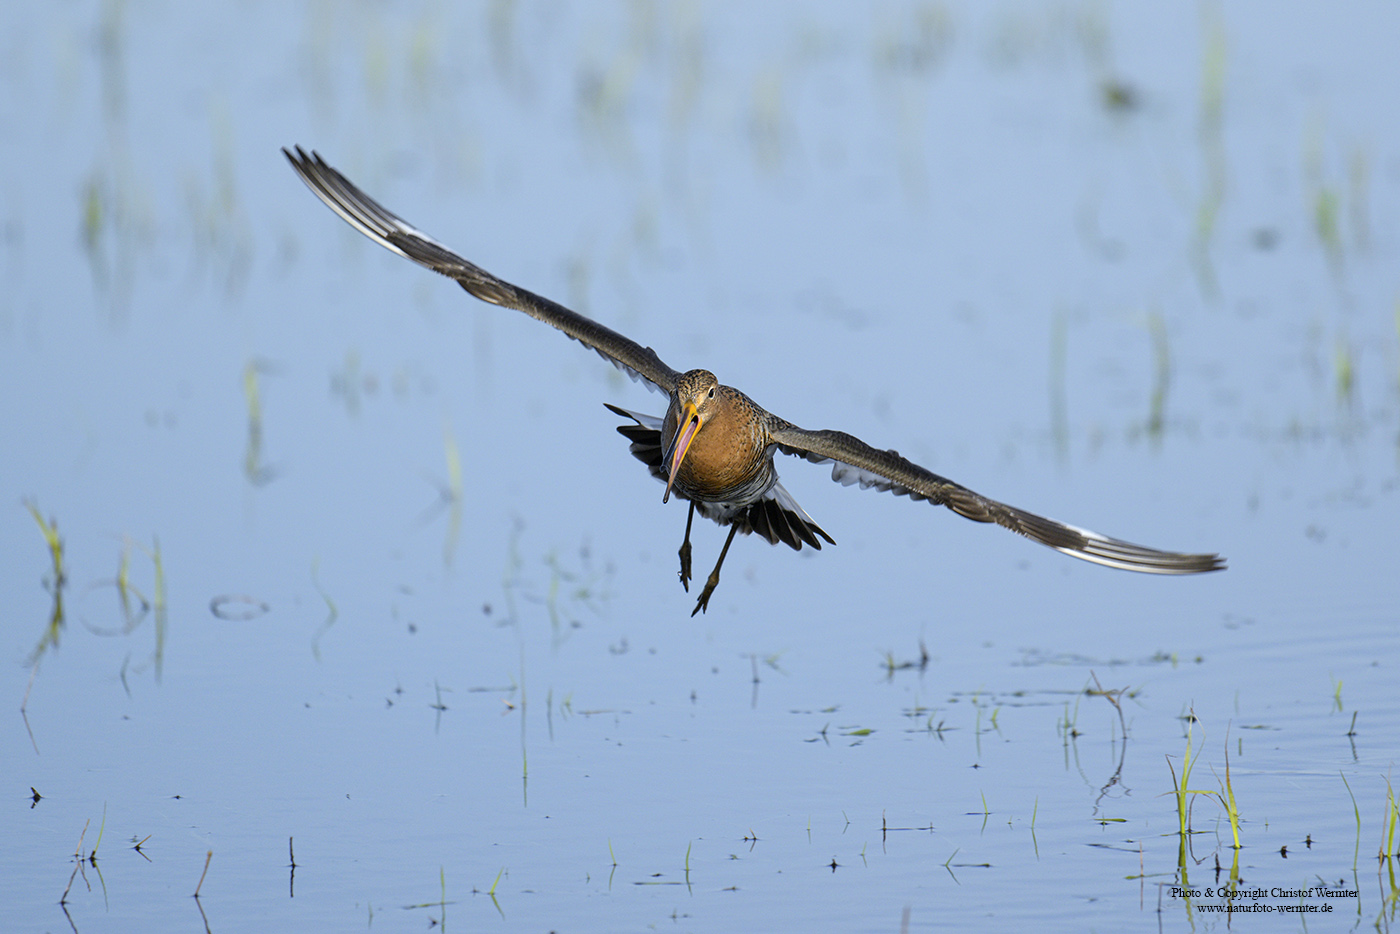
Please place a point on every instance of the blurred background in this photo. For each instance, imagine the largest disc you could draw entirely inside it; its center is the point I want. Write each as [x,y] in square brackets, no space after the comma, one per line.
[303,542]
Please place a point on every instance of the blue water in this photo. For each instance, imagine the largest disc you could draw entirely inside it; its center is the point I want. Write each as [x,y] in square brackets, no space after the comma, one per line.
[1130,268]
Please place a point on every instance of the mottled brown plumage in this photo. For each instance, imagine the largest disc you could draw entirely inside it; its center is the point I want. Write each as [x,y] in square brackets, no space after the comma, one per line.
[715,445]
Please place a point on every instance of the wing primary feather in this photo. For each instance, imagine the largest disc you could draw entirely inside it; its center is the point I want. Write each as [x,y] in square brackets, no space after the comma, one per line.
[857,462]
[392,232]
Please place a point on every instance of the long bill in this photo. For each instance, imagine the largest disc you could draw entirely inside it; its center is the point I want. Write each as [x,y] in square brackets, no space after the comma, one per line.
[690,418]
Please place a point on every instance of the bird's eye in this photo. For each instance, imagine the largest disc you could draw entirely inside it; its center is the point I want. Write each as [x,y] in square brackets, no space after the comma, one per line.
[712,392]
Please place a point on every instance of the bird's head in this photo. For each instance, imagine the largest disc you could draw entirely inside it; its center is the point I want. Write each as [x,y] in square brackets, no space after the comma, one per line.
[692,403]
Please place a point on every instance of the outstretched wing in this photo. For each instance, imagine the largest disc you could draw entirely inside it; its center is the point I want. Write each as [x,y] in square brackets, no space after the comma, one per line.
[392,232]
[857,462]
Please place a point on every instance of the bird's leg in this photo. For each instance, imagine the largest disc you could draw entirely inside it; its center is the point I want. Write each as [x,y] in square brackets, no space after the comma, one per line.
[685,549]
[704,601]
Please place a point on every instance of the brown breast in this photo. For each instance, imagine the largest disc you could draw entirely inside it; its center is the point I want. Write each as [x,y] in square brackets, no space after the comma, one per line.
[728,460]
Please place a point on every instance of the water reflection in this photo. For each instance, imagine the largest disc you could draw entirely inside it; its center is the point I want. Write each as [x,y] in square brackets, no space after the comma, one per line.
[1118,261]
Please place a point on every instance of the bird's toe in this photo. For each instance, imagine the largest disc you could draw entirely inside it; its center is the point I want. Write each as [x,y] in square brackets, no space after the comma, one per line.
[685,565]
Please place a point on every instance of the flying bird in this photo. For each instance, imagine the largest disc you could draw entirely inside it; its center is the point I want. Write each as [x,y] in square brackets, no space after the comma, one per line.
[714,447]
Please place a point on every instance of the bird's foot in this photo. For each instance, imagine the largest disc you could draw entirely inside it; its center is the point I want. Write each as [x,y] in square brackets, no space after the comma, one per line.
[685,565]
[703,603]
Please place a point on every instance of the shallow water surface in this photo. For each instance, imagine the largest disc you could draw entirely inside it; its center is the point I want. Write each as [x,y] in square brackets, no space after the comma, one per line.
[366,618]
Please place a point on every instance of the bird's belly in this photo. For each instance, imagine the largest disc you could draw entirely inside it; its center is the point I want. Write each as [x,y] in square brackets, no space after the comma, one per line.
[732,488]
